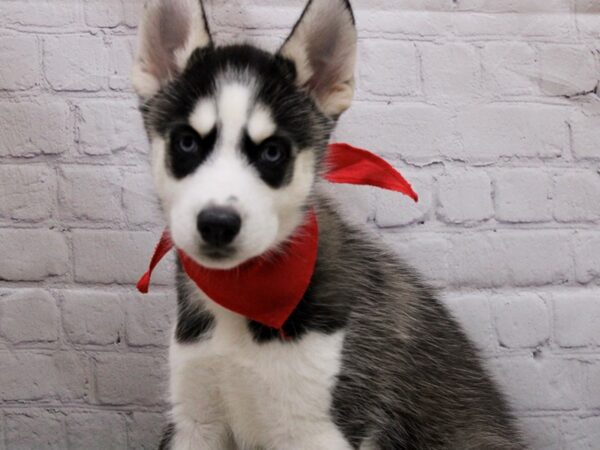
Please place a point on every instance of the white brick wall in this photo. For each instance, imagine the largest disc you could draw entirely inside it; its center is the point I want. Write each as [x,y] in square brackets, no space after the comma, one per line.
[490,107]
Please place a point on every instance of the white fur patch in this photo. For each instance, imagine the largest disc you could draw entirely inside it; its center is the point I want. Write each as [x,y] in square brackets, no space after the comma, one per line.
[261,125]
[233,105]
[229,382]
[204,117]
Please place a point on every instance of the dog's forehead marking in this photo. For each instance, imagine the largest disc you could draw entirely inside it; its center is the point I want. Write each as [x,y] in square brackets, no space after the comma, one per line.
[234,102]
[204,116]
[261,124]
[234,108]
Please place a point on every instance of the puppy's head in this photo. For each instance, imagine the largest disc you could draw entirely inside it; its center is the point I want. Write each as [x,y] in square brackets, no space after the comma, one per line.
[238,134]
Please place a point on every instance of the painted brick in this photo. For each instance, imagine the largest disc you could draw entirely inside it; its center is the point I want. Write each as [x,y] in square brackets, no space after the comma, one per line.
[266,16]
[393,210]
[52,133]
[521,320]
[473,313]
[581,433]
[116,257]
[525,258]
[91,317]
[465,197]
[576,196]
[121,57]
[592,387]
[140,202]
[530,6]
[38,13]
[567,70]
[494,131]
[473,260]
[576,318]
[509,68]
[426,253]
[27,192]
[522,196]
[536,258]
[35,430]
[389,68]
[588,18]
[29,315]
[90,193]
[76,63]
[540,383]
[112,13]
[130,379]
[2,433]
[549,26]
[451,70]
[587,257]
[106,127]
[32,255]
[414,132]
[28,376]
[416,22]
[542,433]
[96,430]
[145,430]
[24,75]
[586,134]
[150,319]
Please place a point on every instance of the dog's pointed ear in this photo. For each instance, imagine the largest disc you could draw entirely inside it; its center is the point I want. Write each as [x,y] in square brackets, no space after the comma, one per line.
[170,32]
[322,46]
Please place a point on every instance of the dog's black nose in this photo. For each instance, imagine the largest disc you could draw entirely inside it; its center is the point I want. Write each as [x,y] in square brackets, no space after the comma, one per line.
[219,226]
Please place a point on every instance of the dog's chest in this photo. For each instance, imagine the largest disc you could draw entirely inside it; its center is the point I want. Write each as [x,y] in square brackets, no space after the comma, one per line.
[270,393]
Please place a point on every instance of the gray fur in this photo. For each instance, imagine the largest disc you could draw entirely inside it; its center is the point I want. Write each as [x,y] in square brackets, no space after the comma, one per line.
[410,378]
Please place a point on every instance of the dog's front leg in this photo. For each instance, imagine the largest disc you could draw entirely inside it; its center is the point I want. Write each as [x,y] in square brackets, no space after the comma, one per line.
[330,440]
[194,436]
[198,416]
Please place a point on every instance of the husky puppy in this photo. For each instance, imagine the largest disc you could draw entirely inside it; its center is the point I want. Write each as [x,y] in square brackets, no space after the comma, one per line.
[372,360]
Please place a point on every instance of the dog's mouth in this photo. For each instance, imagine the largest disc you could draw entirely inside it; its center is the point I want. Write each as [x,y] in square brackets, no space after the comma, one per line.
[217,254]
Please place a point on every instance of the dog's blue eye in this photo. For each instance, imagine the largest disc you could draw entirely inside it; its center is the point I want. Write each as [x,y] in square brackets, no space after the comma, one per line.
[187,141]
[273,152]
[187,149]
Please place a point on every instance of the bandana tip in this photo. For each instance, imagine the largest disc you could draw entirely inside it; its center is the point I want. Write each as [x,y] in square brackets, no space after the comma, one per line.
[144,284]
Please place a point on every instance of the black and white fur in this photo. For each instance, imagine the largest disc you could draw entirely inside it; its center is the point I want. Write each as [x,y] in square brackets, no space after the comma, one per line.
[373,360]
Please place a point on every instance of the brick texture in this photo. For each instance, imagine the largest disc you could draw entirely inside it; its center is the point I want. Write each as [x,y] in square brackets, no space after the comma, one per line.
[491,110]
[123,379]
[35,127]
[28,316]
[92,318]
[87,429]
[35,429]
[34,203]
[27,75]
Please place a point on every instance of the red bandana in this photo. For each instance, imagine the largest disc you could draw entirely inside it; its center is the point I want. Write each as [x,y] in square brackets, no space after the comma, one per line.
[267,289]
